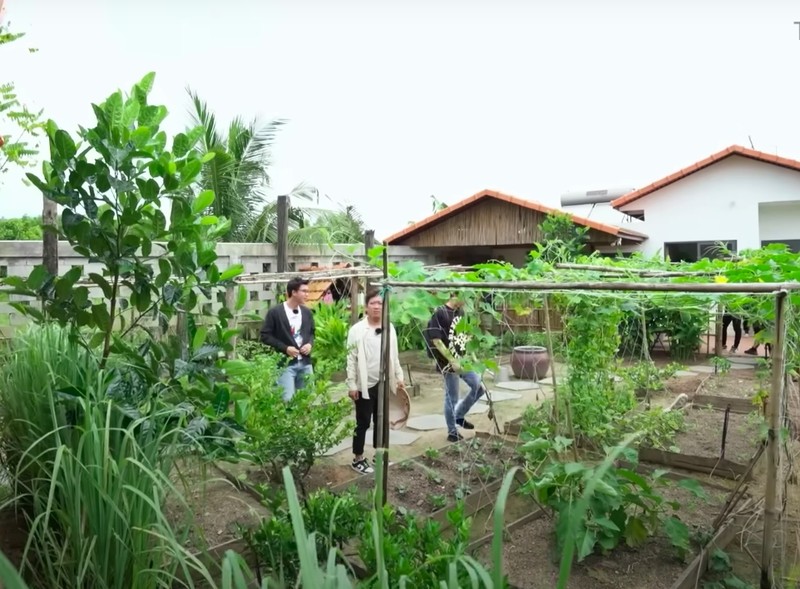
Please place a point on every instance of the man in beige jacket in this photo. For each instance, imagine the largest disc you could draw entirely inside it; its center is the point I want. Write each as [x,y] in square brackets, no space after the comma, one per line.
[363,374]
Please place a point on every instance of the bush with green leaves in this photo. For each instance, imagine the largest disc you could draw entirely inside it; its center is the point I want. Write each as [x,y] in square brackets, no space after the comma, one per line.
[333,519]
[623,507]
[291,434]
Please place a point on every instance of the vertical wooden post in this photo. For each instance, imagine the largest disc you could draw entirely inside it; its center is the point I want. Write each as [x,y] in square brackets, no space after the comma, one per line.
[49,236]
[283,232]
[383,385]
[354,286]
[771,499]
[369,243]
[230,304]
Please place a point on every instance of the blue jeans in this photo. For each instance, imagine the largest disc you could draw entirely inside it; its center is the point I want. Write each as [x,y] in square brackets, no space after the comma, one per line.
[454,409]
[293,377]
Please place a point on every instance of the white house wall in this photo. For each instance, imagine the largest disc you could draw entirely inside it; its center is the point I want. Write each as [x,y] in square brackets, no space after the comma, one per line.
[720,202]
[779,220]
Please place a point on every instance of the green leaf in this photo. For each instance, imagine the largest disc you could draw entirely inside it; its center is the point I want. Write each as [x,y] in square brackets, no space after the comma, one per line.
[203,201]
[102,283]
[209,220]
[694,487]
[199,338]
[64,144]
[678,533]
[231,272]
[180,145]
[606,523]
[571,468]
[36,278]
[635,532]
[101,316]
[241,297]
[587,544]
[141,136]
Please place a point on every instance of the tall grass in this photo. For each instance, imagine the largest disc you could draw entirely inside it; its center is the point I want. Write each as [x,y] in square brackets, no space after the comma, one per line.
[39,364]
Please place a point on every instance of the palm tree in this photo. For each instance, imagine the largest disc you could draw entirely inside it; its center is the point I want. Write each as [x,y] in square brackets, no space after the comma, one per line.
[329,227]
[238,175]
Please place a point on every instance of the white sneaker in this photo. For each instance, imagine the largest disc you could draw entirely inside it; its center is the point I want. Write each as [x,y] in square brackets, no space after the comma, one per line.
[362,466]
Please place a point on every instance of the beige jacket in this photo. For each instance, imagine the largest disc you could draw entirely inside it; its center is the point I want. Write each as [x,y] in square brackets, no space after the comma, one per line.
[357,359]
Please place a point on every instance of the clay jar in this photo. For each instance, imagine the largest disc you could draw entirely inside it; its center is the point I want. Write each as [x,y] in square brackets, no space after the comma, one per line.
[530,362]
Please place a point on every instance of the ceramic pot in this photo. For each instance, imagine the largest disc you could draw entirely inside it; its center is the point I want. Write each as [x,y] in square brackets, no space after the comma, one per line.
[530,362]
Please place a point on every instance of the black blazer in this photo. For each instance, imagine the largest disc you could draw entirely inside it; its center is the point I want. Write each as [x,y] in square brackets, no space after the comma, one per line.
[276,332]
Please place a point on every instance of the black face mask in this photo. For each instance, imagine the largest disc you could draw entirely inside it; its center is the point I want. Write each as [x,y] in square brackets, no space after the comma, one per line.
[378,331]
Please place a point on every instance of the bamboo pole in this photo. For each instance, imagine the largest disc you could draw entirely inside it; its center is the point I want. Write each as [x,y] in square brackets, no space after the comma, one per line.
[283,233]
[382,424]
[552,358]
[771,499]
[640,271]
[684,287]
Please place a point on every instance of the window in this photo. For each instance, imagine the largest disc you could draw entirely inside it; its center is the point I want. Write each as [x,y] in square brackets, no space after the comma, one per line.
[266,267]
[793,244]
[636,214]
[692,251]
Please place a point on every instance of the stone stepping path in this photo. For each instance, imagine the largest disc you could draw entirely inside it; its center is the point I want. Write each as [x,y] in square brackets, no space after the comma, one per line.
[518,385]
[498,396]
[396,438]
[702,369]
[685,373]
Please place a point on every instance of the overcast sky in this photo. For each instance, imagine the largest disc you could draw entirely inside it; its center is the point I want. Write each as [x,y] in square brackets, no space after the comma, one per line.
[390,102]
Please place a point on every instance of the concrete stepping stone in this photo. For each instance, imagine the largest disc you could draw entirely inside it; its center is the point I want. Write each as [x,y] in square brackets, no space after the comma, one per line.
[518,385]
[398,437]
[427,422]
[737,366]
[345,444]
[702,369]
[749,360]
[498,396]
[685,373]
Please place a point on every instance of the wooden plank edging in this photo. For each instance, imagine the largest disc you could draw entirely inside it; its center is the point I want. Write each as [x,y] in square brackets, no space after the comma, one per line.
[721,467]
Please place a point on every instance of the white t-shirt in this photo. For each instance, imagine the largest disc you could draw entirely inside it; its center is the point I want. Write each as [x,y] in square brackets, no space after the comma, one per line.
[295,323]
[372,353]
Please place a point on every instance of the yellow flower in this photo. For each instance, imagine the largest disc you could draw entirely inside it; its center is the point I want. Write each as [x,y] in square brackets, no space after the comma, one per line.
[721,279]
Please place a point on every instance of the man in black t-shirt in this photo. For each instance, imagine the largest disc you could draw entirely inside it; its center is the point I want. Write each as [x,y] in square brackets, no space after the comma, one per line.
[446,344]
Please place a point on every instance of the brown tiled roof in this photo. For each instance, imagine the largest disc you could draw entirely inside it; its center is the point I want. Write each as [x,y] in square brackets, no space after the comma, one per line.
[521,202]
[317,288]
[712,159]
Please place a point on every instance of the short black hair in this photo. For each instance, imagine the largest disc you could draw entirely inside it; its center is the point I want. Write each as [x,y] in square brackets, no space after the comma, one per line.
[371,294]
[294,284]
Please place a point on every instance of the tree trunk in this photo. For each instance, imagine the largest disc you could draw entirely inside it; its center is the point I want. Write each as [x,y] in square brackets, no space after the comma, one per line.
[49,236]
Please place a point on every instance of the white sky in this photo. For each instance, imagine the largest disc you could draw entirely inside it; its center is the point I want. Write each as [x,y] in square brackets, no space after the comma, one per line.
[392,101]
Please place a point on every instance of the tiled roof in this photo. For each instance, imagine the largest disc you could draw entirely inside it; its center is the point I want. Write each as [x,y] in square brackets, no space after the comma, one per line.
[521,202]
[712,159]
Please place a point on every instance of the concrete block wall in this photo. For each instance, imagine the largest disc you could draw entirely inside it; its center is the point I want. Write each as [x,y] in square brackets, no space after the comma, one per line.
[18,258]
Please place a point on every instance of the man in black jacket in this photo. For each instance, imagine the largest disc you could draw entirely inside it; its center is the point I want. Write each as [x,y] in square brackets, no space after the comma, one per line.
[289,329]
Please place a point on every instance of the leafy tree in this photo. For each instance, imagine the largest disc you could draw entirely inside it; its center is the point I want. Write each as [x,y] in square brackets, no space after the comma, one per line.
[19,127]
[239,174]
[23,228]
[329,227]
[562,239]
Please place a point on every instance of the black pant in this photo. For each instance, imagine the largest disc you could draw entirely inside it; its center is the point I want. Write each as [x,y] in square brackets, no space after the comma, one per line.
[727,319]
[366,410]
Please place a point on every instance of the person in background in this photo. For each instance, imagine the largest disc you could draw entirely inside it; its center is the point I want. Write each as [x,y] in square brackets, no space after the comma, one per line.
[753,351]
[446,347]
[288,328]
[727,319]
[364,371]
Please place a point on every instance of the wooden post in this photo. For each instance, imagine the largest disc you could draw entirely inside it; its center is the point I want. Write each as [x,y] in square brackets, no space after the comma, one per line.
[354,286]
[230,304]
[283,232]
[771,499]
[182,328]
[383,386]
[49,236]
[718,332]
[369,243]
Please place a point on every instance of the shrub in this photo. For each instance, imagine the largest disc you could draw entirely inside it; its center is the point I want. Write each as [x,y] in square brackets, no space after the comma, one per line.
[292,434]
